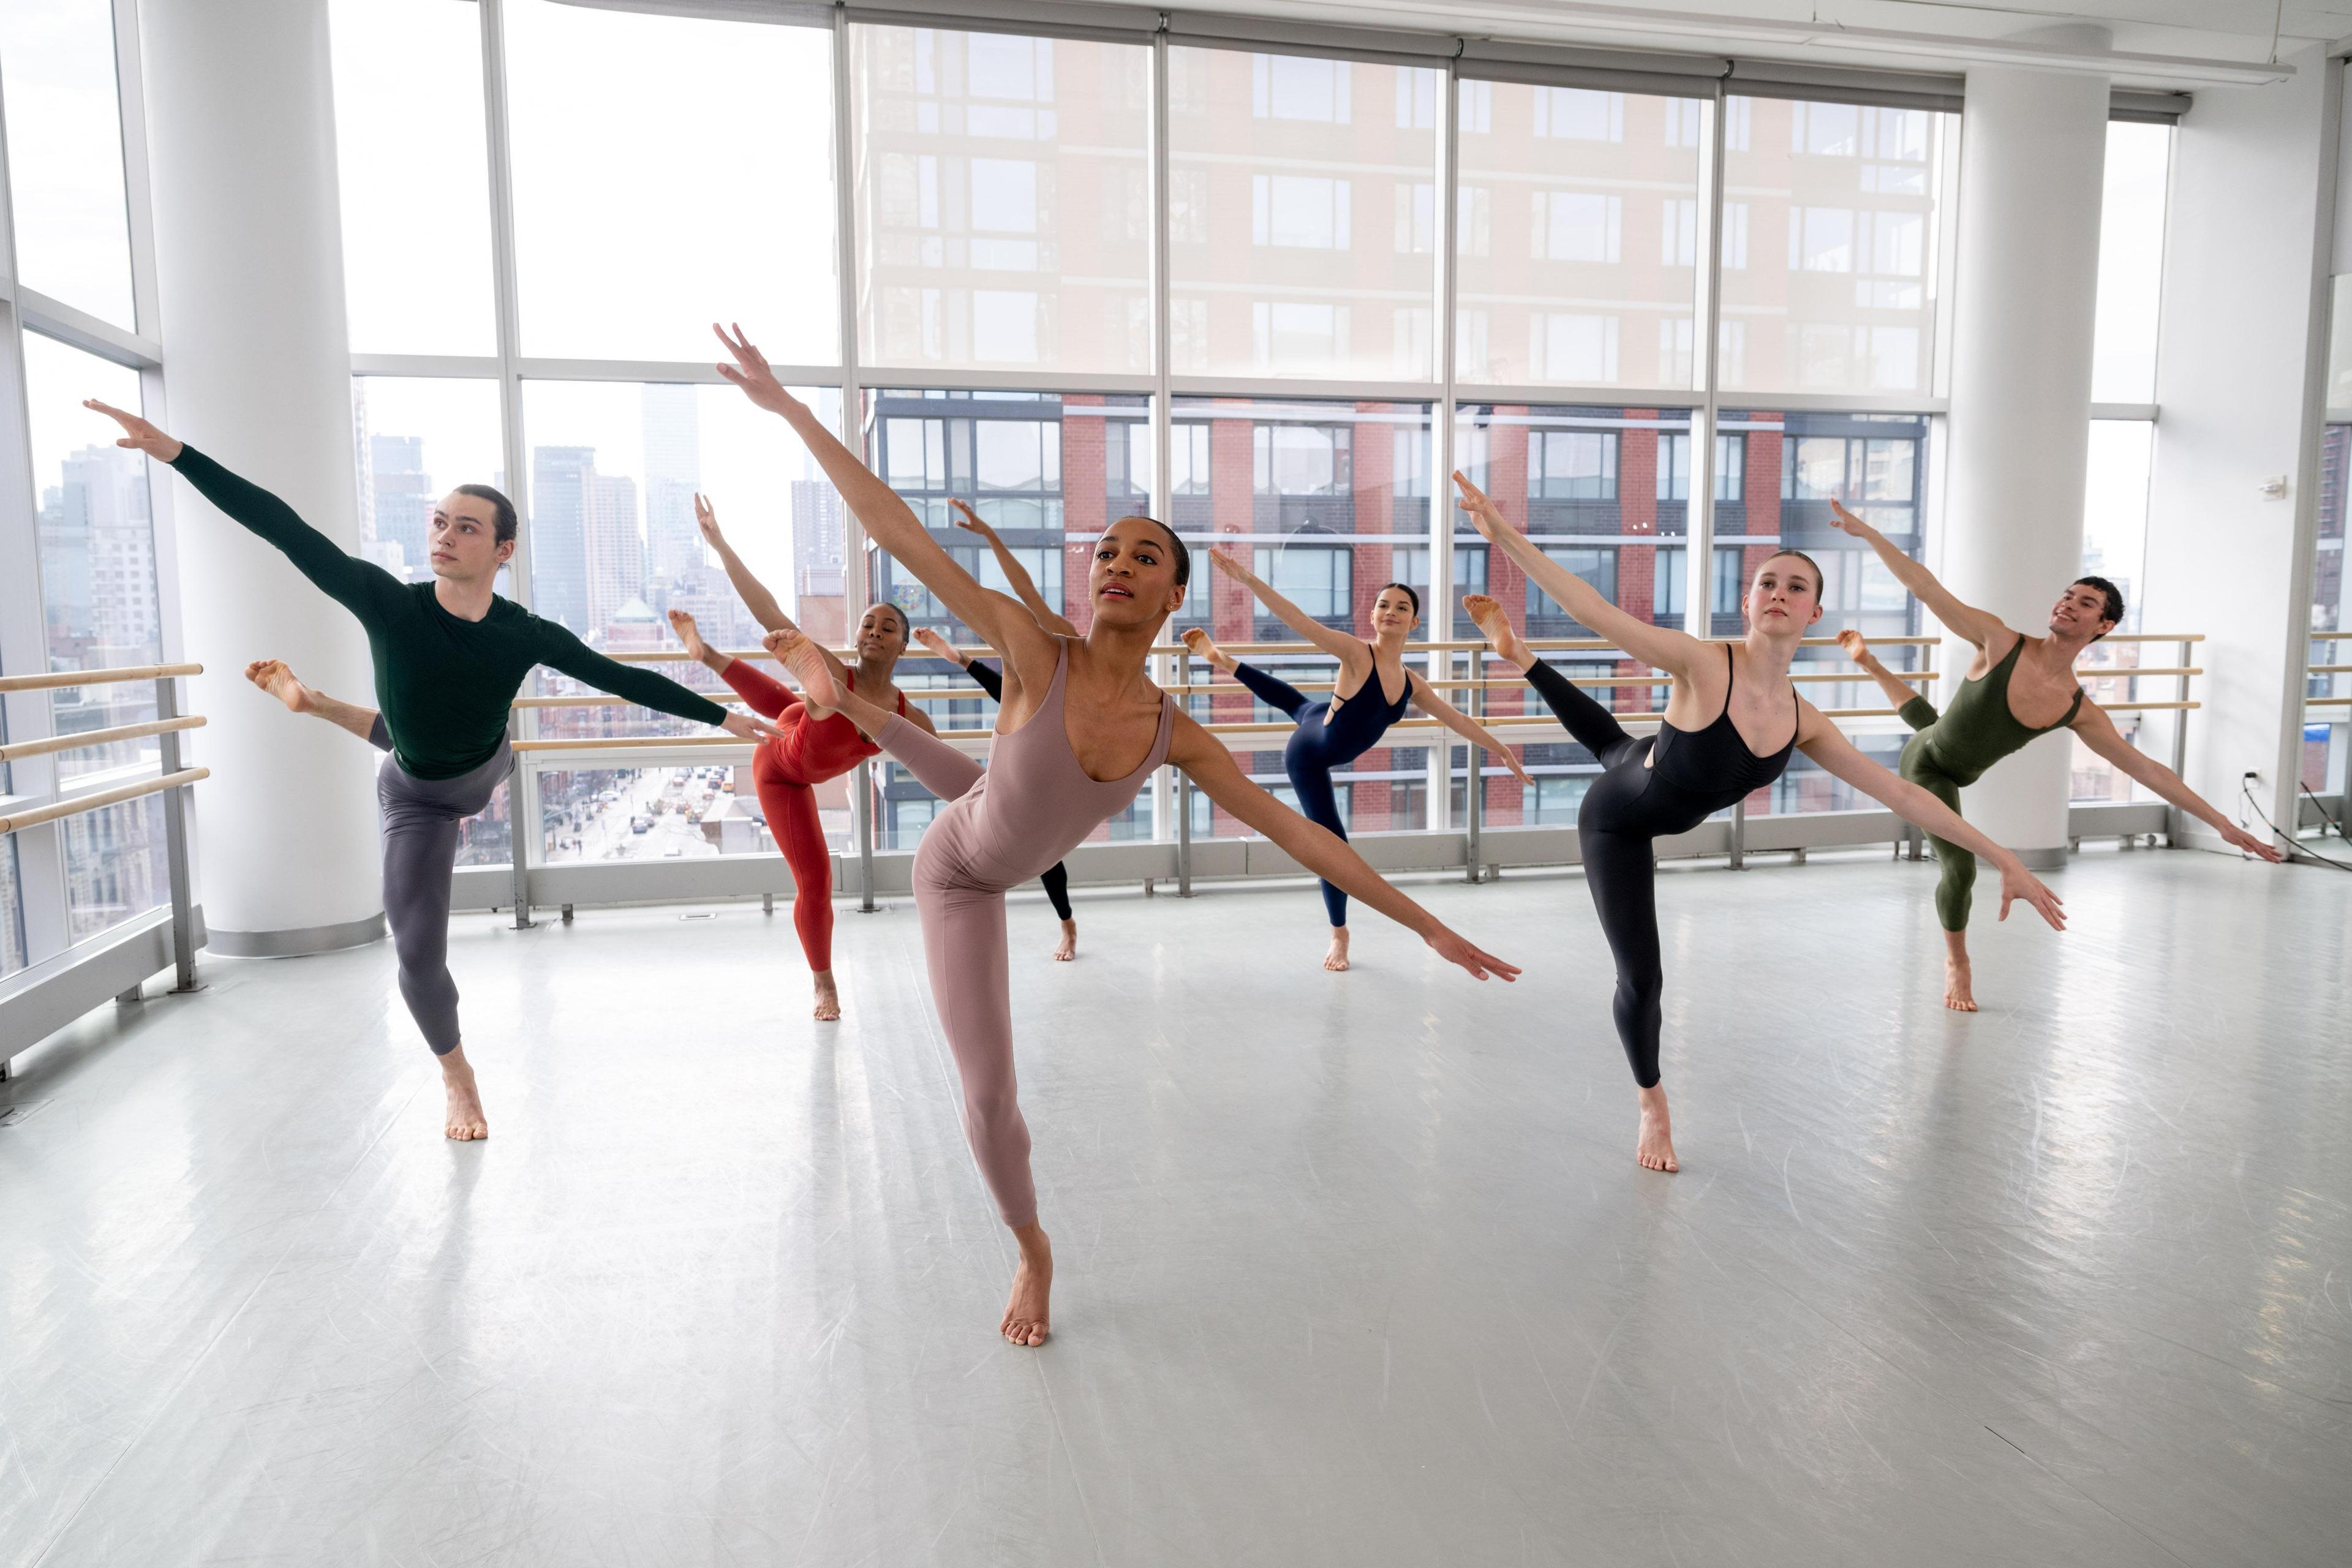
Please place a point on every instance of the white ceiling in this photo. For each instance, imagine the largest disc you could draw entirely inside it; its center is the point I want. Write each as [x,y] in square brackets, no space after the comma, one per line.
[2154,43]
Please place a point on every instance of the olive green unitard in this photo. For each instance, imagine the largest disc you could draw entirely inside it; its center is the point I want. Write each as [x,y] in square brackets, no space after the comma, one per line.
[1953,751]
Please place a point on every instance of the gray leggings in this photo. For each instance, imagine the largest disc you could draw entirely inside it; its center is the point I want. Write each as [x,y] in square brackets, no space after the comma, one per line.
[420,857]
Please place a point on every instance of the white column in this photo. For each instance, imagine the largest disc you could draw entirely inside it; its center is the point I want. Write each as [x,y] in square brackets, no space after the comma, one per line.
[2034,151]
[249,266]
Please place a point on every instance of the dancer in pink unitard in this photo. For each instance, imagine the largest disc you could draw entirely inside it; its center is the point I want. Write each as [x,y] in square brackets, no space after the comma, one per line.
[1079,730]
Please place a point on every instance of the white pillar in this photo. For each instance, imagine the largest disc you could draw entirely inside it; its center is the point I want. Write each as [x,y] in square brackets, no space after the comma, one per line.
[2033,154]
[249,267]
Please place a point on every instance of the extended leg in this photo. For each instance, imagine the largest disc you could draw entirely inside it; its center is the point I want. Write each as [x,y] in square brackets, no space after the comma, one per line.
[1057,887]
[1593,726]
[937,766]
[273,676]
[964,949]
[800,834]
[1278,695]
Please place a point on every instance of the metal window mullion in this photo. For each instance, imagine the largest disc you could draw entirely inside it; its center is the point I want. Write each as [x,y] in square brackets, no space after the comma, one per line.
[865,784]
[1438,617]
[522,786]
[1698,509]
[1172,797]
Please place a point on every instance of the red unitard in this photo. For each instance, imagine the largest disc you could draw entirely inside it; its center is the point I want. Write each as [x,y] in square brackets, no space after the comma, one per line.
[784,771]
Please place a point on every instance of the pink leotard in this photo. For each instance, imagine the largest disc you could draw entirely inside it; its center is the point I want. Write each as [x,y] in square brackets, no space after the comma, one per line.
[1030,807]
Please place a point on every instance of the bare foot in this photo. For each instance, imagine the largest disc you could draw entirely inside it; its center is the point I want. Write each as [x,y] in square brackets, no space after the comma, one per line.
[1335,959]
[1205,647]
[808,664]
[1487,613]
[828,997]
[1655,1147]
[466,1122]
[1068,947]
[1959,994]
[272,676]
[690,635]
[1026,1310]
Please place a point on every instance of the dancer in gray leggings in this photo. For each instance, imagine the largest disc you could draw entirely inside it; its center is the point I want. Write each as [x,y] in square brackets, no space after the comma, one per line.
[449,656]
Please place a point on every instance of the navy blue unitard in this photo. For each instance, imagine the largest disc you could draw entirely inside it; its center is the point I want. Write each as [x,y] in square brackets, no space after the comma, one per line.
[1649,787]
[1316,747]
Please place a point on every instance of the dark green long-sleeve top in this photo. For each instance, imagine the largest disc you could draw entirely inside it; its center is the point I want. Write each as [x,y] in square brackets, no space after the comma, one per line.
[443,683]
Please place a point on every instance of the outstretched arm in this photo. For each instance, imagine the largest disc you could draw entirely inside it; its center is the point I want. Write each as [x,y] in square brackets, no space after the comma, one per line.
[1857,649]
[2098,731]
[748,587]
[1963,620]
[1004,621]
[1661,648]
[1203,757]
[561,650]
[1463,725]
[1354,655]
[360,586]
[1826,744]
[1024,585]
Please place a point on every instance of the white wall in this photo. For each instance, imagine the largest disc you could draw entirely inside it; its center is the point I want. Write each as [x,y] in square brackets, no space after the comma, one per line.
[2236,369]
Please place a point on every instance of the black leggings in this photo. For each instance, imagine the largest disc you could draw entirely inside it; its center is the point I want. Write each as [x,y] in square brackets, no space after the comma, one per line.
[1620,868]
[1057,877]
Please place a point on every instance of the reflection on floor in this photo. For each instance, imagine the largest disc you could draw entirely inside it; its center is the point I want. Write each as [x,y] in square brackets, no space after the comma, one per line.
[1354,1270]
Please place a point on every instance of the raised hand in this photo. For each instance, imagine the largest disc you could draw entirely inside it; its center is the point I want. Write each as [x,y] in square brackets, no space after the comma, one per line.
[970,521]
[706,518]
[750,372]
[1231,565]
[1452,947]
[2238,837]
[1845,522]
[1854,646]
[939,645]
[138,434]
[750,729]
[2017,882]
[1483,515]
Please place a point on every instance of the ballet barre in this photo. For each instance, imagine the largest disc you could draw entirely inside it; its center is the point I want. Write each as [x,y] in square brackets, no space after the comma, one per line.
[172,780]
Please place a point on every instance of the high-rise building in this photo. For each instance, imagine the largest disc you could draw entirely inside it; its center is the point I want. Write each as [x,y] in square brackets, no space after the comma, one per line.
[560,481]
[97,544]
[400,502]
[615,551]
[673,443]
[819,583]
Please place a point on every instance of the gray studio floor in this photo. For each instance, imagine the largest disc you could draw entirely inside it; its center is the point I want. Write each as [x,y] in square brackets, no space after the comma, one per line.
[1354,1269]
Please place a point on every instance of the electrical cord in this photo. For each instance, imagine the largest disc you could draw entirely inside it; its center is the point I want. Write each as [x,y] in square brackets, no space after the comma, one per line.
[2333,820]
[2295,846]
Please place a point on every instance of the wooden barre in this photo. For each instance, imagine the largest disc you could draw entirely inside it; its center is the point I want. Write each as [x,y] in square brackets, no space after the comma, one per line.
[87,738]
[60,677]
[80,804]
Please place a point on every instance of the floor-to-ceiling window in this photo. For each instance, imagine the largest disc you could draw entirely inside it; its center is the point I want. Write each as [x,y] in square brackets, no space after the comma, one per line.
[79,537]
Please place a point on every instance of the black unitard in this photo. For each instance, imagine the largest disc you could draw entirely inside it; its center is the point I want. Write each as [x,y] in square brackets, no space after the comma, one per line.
[1326,739]
[1057,877]
[1650,787]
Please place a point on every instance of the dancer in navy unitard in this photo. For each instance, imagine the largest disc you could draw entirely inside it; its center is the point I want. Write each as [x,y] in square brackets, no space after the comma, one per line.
[1335,730]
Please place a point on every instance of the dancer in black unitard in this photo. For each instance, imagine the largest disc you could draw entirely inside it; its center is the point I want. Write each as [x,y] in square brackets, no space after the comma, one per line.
[1729,727]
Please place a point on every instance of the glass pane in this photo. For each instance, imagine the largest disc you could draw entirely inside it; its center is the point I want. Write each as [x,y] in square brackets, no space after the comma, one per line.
[614,548]
[14,954]
[1330,500]
[115,866]
[1828,266]
[414,440]
[2131,263]
[647,205]
[414,175]
[685,812]
[1299,216]
[96,548]
[1579,237]
[65,154]
[2327,718]
[1003,200]
[2115,546]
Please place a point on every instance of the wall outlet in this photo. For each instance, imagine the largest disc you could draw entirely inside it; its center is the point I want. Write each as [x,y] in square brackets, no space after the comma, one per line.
[2272,487]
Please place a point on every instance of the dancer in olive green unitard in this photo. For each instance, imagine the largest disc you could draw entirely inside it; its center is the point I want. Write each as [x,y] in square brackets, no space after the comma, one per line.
[2018,688]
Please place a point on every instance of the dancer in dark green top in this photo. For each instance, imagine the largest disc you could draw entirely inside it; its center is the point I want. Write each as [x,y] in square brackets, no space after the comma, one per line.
[2018,689]
[449,656]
